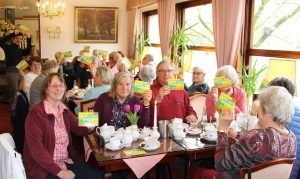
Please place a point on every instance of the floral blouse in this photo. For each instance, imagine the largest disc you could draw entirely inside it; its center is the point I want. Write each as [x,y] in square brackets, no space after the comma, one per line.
[119,118]
[203,88]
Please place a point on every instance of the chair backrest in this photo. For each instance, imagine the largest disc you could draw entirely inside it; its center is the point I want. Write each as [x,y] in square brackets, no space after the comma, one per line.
[11,165]
[198,103]
[275,169]
[87,105]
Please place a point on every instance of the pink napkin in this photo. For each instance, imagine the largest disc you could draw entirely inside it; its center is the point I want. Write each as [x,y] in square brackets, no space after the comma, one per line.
[87,149]
[141,165]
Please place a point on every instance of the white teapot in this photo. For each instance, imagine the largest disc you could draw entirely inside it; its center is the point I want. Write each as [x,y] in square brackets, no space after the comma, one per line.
[105,131]
[178,131]
[127,138]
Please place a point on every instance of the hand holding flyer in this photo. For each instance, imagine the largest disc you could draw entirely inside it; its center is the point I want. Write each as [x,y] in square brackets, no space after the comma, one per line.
[225,103]
[22,65]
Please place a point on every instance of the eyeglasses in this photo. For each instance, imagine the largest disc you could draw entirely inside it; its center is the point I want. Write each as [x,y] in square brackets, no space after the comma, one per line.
[56,86]
[197,73]
[164,71]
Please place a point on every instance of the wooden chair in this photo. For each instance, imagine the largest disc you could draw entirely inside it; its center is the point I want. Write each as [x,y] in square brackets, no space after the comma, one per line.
[87,105]
[275,169]
[77,141]
[197,101]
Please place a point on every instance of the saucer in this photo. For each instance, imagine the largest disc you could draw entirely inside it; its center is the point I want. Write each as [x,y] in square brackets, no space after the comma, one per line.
[150,148]
[193,131]
[210,138]
[109,147]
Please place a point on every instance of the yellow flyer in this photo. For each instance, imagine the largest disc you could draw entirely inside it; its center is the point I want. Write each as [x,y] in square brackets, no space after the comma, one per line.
[68,54]
[88,119]
[141,86]
[103,52]
[87,49]
[264,83]
[86,59]
[225,102]
[133,152]
[176,84]
[22,65]
[222,82]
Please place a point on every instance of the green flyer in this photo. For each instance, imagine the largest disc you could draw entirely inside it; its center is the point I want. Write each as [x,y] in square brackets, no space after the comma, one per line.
[141,86]
[88,119]
[176,84]
[222,82]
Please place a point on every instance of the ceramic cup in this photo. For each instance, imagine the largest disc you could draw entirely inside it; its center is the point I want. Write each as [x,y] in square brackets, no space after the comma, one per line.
[150,141]
[114,142]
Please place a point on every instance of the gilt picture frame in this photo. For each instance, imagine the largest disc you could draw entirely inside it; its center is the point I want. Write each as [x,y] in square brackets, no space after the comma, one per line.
[96,24]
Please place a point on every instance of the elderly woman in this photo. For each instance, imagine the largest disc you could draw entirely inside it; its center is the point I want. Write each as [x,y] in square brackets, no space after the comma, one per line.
[271,142]
[147,73]
[110,106]
[232,90]
[48,127]
[102,81]
[294,125]
[198,82]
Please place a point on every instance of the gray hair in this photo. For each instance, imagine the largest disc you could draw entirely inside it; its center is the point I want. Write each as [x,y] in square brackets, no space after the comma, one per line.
[49,64]
[118,77]
[150,56]
[198,69]
[162,62]
[105,74]
[147,73]
[228,72]
[278,102]
[284,82]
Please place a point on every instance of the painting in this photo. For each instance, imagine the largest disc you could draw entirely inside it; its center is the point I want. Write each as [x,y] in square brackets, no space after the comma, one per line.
[96,24]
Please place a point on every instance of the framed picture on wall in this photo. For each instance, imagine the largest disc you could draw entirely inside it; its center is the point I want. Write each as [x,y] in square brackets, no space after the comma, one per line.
[96,24]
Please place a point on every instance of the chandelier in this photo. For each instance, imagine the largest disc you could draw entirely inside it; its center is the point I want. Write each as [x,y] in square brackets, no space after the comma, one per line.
[50,9]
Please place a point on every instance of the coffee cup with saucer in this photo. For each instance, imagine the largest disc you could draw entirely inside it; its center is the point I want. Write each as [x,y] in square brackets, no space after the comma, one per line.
[150,144]
[179,131]
[114,144]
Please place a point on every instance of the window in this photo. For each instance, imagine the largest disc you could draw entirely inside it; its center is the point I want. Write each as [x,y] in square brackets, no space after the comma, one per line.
[276,25]
[274,39]
[150,26]
[198,14]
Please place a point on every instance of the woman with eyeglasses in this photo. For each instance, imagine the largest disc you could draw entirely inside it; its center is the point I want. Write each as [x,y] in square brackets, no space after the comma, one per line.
[198,82]
[48,151]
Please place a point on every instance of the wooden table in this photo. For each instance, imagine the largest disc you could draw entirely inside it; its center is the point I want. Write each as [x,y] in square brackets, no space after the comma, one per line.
[195,150]
[110,161]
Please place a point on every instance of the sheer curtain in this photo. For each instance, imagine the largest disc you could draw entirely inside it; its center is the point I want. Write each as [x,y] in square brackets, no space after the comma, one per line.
[166,17]
[228,20]
[132,30]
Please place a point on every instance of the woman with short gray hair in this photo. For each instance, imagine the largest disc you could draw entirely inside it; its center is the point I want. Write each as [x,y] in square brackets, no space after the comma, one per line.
[102,81]
[198,86]
[272,141]
[147,73]
[237,94]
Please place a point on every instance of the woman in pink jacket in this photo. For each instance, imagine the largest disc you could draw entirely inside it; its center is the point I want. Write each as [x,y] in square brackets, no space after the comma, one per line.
[238,94]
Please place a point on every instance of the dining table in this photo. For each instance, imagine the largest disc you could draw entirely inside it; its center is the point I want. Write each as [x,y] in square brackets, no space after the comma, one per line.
[111,161]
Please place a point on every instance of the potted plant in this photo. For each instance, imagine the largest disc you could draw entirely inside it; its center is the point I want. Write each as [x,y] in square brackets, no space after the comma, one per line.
[252,79]
[141,42]
[180,40]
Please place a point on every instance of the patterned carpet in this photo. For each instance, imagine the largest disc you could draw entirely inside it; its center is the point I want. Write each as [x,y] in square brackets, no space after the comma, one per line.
[5,125]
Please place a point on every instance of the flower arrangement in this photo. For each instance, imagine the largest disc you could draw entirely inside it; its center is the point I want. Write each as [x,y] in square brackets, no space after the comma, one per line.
[132,116]
[7,27]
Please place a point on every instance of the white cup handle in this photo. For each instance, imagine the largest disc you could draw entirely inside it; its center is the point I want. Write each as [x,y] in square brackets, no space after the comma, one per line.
[98,130]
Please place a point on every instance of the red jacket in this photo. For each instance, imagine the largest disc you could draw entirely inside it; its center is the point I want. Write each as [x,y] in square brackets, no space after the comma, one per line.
[176,104]
[40,141]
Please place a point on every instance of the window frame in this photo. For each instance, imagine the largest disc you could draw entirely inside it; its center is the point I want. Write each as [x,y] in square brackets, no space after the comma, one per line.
[180,7]
[145,24]
[248,38]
